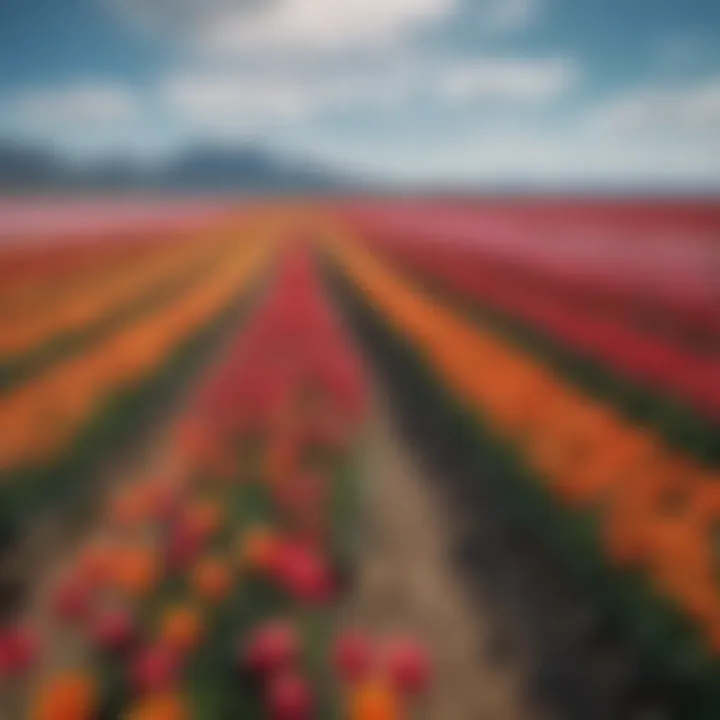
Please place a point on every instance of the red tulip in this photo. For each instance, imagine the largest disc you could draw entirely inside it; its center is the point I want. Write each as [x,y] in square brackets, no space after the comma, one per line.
[289,697]
[183,548]
[352,656]
[164,501]
[4,658]
[113,630]
[21,646]
[96,564]
[154,669]
[306,490]
[408,666]
[330,433]
[305,574]
[72,600]
[272,646]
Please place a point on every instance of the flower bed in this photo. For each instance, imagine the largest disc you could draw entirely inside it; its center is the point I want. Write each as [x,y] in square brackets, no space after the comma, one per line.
[55,425]
[634,520]
[214,589]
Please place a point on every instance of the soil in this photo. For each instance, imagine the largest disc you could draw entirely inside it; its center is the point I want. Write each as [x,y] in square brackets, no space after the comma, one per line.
[508,637]
[530,621]
[407,584]
[406,581]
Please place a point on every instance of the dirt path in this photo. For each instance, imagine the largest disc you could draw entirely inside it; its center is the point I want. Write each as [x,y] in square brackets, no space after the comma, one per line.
[406,582]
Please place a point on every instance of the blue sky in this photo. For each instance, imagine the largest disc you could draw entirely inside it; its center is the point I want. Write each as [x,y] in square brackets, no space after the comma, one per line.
[555,92]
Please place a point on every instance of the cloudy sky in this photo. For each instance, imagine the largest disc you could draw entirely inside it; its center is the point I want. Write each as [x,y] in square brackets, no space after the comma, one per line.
[563,92]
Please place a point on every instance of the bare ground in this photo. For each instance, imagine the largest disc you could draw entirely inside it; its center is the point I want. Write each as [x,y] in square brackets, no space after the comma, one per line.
[407,583]
[407,580]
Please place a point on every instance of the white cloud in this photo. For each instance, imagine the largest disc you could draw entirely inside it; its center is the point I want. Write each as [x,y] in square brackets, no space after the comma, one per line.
[522,156]
[247,26]
[224,98]
[507,15]
[508,79]
[242,100]
[576,158]
[687,111]
[324,24]
[273,62]
[84,104]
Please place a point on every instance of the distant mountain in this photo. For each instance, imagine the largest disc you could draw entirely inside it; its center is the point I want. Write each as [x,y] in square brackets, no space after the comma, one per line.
[198,168]
[22,166]
[244,168]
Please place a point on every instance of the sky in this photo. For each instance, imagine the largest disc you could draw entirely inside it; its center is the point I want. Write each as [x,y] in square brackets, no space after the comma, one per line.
[612,93]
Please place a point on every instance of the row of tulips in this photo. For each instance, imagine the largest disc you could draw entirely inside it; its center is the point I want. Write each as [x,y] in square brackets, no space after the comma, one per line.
[45,265]
[95,296]
[213,589]
[44,422]
[639,519]
[663,364]
[651,264]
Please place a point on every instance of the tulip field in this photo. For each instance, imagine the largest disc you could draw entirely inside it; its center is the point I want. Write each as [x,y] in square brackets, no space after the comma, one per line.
[186,392]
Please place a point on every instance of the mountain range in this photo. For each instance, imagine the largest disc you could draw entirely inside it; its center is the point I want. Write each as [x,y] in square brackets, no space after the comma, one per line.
[196,168]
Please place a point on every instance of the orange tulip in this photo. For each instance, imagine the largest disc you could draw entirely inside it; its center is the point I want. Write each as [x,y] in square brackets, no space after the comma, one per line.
[135,350]
[375,700]
[97,562]
[258,548]
[700,600]
[165,706]
[67,697]
[711,625]
[130,507]
[191,438]
[705,503]
[281,459]
[212,579]
[137,571]
[205,517]
[181,628]
[221,461]
[588,453]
